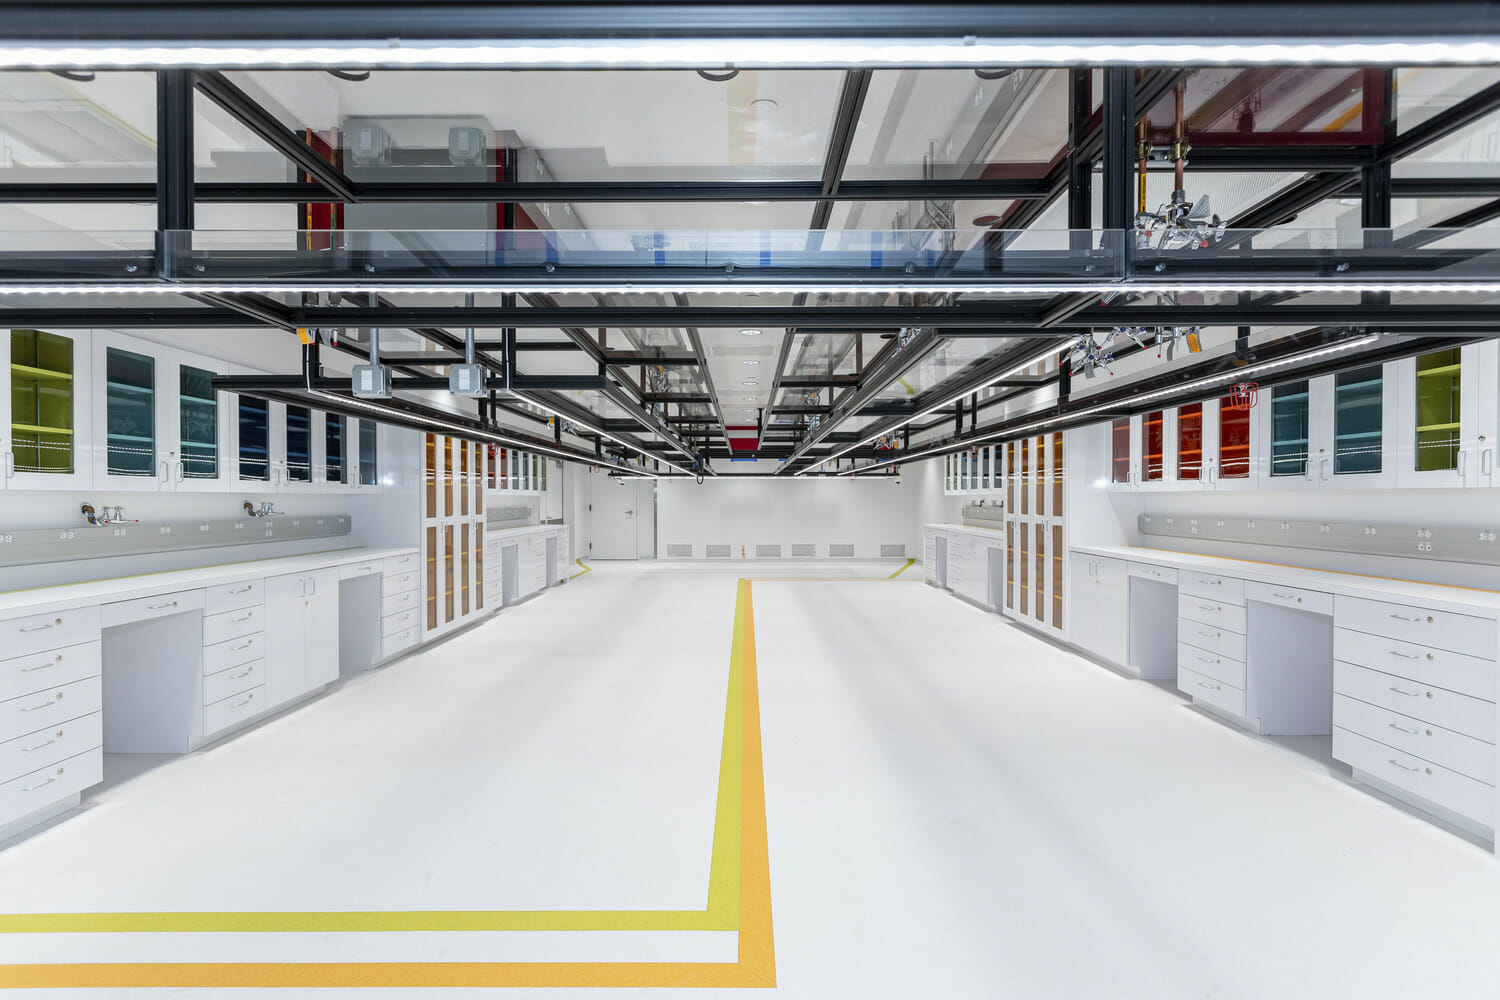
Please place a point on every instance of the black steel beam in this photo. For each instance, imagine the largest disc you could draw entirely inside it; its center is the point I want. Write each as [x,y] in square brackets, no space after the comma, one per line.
[1445,187]
[1442,124]
[1119,135]
[173,190]
[1280,207]
[217,88]
[840,137]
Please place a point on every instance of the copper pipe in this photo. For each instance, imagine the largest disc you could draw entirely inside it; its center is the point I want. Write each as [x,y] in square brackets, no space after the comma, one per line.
[1179,148]
[1142,152]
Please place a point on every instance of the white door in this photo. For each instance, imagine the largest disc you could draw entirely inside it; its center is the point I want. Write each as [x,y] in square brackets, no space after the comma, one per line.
[618,509]
[321,639]
[286,636]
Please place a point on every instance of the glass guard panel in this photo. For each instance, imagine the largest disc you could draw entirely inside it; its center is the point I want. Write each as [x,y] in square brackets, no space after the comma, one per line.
[255,437]
[299,444]
[367,456]
[1119,442]
[130,413]
[1190,442]
[1289,429]
[198,407]
[1358,398]
[333,449]
[41,402]
[1153,464]
[1439,382]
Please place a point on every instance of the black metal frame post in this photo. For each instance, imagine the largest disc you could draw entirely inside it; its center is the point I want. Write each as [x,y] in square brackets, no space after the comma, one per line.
[1119,127]
[174,161]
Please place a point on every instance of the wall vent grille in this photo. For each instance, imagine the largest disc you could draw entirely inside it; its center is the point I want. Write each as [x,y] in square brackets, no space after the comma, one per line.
[893,552]
[841,551]
[768,552]
[716,551]
[804,551]
[679,551]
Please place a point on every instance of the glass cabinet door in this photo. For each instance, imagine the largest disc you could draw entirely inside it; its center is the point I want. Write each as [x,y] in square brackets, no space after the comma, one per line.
[198,425]
[333,448]
[130,426]
[1290,430]
[1119,452]
[367,453]
[254,421]
[1190,442]
[1438,418]
[1358,417]
[1234,441]
[299,460]
[1153,446]
[45,405]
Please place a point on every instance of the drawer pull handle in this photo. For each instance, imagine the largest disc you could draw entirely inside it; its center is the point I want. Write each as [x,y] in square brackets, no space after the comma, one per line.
[158,607]
[1211,687]
[1397,763]
[38,746]
[1285,597]
[1210,583]
[39,628]
[244,590]
[363,569]
[41,666]
[1209,634]
[240,677]
[1209,607]
[1409,694]
[1207,659]
[247,645]
[1404,618]
[1408,732]
[1405,656]
[242,704]
[38,708]
[42,784]
[245,619]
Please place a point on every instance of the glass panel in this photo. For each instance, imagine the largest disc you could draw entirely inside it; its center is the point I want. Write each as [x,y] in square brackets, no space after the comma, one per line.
[1358,401]
[1119,443]
[299,444]
[448,477]
[1041,573]
[99,130]
[985,479]
[1234,440]
[41,401]
[448,573]
[432,476]
[1025,479]
[463,482]
[492,465]
[1025,589]
[1289,430]
[479,562]
[1057,475]
[1041,477]
[198,407]
[1190,441]
[367,437]
[463,573]
[432,578]
[1057,576]
[1152,436]
[130,413]
[255,439]
[1010,475]
[1438,391]
[333,459]
[1010,564]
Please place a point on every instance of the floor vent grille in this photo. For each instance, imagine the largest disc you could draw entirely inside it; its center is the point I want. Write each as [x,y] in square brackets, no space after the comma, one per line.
[801,551]
[893,552]
[679,551]
[841,551]
[716,551]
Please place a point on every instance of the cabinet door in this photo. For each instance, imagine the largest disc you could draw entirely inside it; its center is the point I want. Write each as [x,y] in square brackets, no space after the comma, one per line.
[1362,430]
[259,443]
[287,600]
[45,403]
[1483,442]
[321,641]
[131,441]
[1292,416]
[199,424]
[1113,608]
[1236,457]
[301,444]
[1439,402]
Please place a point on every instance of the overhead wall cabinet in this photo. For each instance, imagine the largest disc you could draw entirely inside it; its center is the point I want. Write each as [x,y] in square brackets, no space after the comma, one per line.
[974,471]
[46,398]
[1447,417]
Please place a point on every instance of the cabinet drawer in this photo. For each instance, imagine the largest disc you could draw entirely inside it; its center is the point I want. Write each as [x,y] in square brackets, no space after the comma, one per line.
[1219,667]
[1458,712]
[33,712]
[396,565]
[25,674]
[233,596]
[1225,697]
[42,749]
[1441,629]
[1437,784]
[397,641]
[237,679]
[233,710]
[1455,751]
[53,783]
[1468,675]
[397,602]
[1207,611]
[51,630]
[233,652]
[398,584]
[398,622]
[1212,638]
[1219,588]
[1161,574]
[1296,598]
[370,567]
[232,624]
[146,608]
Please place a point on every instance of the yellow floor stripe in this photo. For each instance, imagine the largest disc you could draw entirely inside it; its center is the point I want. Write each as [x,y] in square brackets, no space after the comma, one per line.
[586,569]
[747,898]
[903,569]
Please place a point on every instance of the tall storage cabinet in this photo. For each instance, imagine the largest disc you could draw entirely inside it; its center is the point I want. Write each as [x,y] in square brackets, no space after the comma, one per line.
[453,590]
[1036,547]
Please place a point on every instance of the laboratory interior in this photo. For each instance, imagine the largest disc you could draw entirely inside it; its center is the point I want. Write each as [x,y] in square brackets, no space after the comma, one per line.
[837,500]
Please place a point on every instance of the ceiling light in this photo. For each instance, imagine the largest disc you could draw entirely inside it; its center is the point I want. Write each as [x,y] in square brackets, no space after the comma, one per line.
[789,53]
[750,381]
[752,398]
[752,333]
[750,361]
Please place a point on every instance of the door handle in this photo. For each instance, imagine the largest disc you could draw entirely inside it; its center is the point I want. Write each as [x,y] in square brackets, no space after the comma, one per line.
[166,474]
[179,472]
[1486,461]
[313,583]
[10,465]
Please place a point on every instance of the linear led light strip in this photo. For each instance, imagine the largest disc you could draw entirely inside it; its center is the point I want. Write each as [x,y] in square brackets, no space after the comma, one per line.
[1044,356]
[1237,375]
[603,433]
[1155,286]
[467,431]
[762,52]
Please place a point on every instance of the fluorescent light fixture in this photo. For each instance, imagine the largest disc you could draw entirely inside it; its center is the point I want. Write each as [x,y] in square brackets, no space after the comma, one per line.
[750,382]
[876,284]
[752,333]
[1236,375]
[752,53]
[751,399]
[1046,355]
[750,361]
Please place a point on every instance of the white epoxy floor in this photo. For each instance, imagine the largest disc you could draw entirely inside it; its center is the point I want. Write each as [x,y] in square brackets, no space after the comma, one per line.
[954,809]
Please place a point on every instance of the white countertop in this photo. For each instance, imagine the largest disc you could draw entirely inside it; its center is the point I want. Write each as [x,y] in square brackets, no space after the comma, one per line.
[1461,600]
[501,534]
[972,529]
[15,603]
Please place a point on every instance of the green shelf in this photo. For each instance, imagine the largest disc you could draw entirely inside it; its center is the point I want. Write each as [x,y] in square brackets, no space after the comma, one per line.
[1438,427]
[28,371]
[1452,369]
[39,429]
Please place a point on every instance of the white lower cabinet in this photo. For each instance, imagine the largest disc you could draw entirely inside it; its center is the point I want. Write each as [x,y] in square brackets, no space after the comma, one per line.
[1099,619]
[302,638]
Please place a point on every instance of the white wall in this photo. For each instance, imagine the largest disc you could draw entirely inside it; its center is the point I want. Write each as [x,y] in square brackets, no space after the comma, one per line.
[925,480]
[866,513]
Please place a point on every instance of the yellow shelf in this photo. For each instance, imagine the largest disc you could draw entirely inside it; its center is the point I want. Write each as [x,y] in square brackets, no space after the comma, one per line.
[37,429]
[1438,427]
[40,373]
[1440,370]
